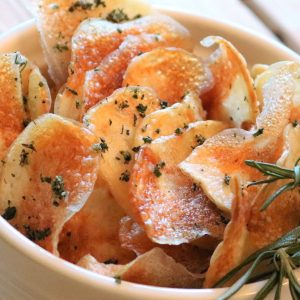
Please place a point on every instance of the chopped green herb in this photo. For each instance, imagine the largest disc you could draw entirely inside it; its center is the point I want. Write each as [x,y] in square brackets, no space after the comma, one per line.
[295,123]
[21,61]
[126,156]
[35,234]
[45,179]
[258,132]
[118,279]
[178,131]
[61,48]
[100,147]
[123,104]
[125,176]
[134,120]
[24,158]
[135,94]
[147,140]
[117,16]
[77,104]
[71,91]
[200,139]
[58,187]
[227,179]
[136,149]
[158,167]
[119,30]
[30,146]
[141,109]
[164,104]
[10,212]
[86,5]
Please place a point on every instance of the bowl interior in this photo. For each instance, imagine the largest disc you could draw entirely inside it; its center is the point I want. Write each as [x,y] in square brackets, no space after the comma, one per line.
[61,280]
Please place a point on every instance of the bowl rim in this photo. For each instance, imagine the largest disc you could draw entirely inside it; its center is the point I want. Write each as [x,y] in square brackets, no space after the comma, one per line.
[100,282]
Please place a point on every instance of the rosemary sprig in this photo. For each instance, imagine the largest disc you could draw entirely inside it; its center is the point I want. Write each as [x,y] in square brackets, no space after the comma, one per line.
[276,173]
[283,257]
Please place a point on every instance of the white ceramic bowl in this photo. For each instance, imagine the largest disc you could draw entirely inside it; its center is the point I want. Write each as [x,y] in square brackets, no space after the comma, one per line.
[28,272]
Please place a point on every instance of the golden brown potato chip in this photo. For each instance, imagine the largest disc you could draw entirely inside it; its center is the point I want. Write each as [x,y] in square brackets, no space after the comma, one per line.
[223,156]
[95,39]
[134,238]
[171,72]
[233,249]
[251,229]
[22,92]
[95,230]
[48,175]
[152,268]
[108,76]
[58,20]
[114,121]
[165,121]
[165,202]
[232,98]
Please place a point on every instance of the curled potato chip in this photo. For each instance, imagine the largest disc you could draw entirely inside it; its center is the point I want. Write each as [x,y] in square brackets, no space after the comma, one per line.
[232,97]
[22,93]
[134,238]
[223,156]
[171,72]
[152,268]
[49,173]
[165,121]
[95,39]
[94,230]
[114,121]
[165,202]
[251,229]
[58,20]
[108,76]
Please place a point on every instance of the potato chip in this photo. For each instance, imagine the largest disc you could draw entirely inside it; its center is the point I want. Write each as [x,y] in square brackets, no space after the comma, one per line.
[232,98]
[223,156]
[95,39]
[108,76]
[21,97]
[49,173]
[152,268]
[94,230]
[171,72]
[165,202]
[134,238]
[165,121]
[251,229]
[58,20]
[114,121]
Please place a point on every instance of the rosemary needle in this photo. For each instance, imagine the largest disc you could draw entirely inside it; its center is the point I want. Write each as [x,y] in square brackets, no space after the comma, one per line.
[283,256]
[275,173]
